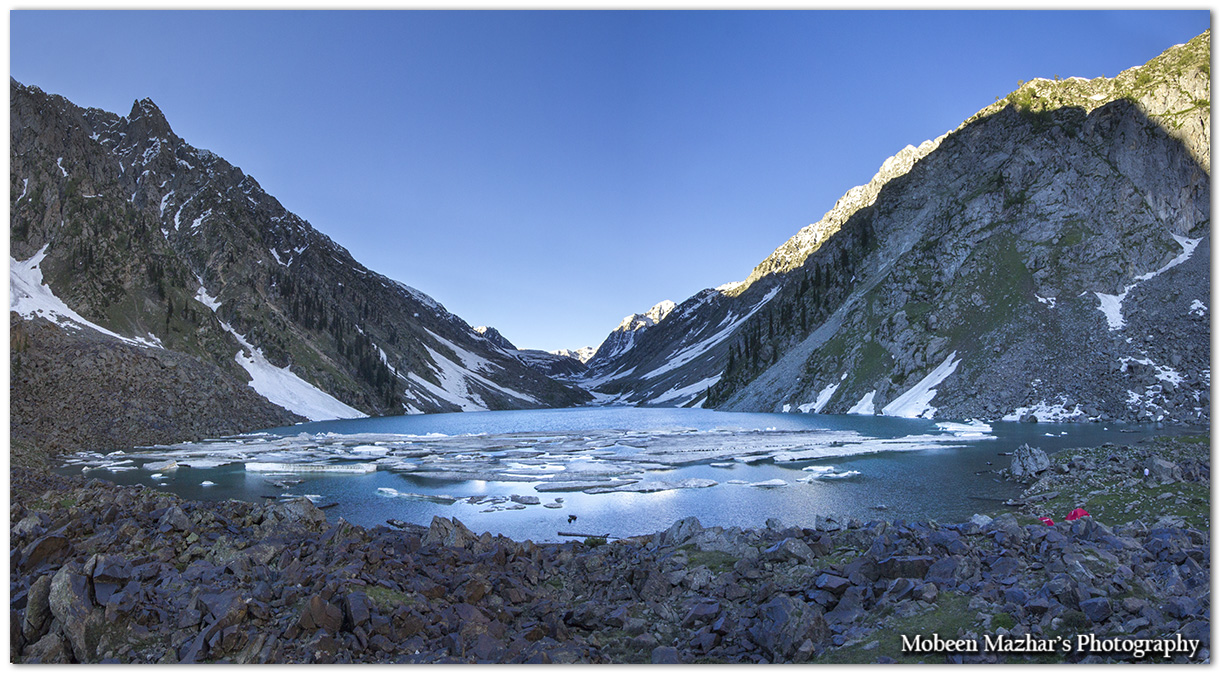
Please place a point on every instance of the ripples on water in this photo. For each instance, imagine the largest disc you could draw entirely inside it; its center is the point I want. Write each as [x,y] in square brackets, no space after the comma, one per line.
[621,471]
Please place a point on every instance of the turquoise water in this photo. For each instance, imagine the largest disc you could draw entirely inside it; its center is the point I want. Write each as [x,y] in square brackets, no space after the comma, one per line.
[936,482]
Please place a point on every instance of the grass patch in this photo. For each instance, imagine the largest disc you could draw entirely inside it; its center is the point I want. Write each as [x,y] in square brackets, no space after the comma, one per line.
[386,599]
[837,557]
[950,617]
[716,561]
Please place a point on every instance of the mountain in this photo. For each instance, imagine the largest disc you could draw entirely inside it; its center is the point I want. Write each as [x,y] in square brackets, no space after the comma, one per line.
[492,335]
[125,236]
[583,354]
[545,362]
[1047,259]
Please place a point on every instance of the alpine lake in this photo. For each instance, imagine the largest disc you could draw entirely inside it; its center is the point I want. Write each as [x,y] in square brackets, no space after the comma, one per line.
[615,471]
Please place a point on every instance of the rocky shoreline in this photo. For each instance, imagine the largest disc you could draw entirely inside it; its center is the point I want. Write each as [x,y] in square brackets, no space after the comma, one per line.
[104,573]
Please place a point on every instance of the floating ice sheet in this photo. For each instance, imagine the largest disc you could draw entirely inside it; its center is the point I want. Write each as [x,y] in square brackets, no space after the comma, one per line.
[576,461]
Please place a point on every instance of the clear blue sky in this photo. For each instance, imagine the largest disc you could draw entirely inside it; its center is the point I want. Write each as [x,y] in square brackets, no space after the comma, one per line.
[548,173]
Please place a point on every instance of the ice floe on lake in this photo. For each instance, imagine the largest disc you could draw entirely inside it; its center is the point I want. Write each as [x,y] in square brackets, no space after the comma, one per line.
[589,461]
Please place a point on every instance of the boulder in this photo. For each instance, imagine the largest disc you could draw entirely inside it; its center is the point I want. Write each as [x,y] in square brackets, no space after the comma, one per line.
[784,624]
[321,614]
[1097,609]
[70,604]
[789,549]
[1162,471]
[301,511]
[110,573]
[832,583]
[37,609]
[665,655]
[681,531]
[905,566]
[452,533]
[1027,462]
[50,649]
[48,549]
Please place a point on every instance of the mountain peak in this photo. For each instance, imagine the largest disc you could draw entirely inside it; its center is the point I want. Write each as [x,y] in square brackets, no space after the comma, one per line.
[492,335]
[147,116]
[655,315]
[583,354]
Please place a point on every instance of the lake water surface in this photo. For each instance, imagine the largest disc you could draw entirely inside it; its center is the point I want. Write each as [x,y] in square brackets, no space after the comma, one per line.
[467,465]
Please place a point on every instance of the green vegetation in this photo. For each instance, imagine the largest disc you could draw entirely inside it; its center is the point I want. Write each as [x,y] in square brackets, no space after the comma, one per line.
[1003,620]
[1115,500]
[950,617]
[386,599]
[715,560]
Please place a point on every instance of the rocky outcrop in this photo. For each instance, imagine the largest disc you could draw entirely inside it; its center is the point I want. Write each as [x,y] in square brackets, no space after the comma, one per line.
[120,574]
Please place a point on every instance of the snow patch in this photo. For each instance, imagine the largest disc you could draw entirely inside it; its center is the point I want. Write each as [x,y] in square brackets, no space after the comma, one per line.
[865,406]
[914,403]
[1198,308]
[687,393]
[282,387]
[1044,411]
[30,297]
[823,398]
[60,163]
[206,299]
[199,220]
[1048,301]
[1112,305]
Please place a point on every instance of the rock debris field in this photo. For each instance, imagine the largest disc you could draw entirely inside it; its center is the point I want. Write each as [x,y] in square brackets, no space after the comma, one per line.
[105,573]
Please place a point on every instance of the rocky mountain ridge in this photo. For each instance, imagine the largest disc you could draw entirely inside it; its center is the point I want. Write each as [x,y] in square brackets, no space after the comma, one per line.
[1047,259]
[122,227]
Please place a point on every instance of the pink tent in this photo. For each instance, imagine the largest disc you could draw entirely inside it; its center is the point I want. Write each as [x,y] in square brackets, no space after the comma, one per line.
[1077,514]
[1047,521]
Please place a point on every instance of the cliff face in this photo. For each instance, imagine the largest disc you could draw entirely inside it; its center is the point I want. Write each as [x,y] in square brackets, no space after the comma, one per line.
[122,228]
[1048,257]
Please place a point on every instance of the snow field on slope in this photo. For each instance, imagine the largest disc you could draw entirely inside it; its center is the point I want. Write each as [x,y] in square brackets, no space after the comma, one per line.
[865,406]
[278,384]
[282,387]
[1112,305]
[686,393]
[30,297]
[700,347]
[914,403]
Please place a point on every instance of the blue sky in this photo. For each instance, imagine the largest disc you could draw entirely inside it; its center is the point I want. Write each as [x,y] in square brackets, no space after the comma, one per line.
[548,173]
